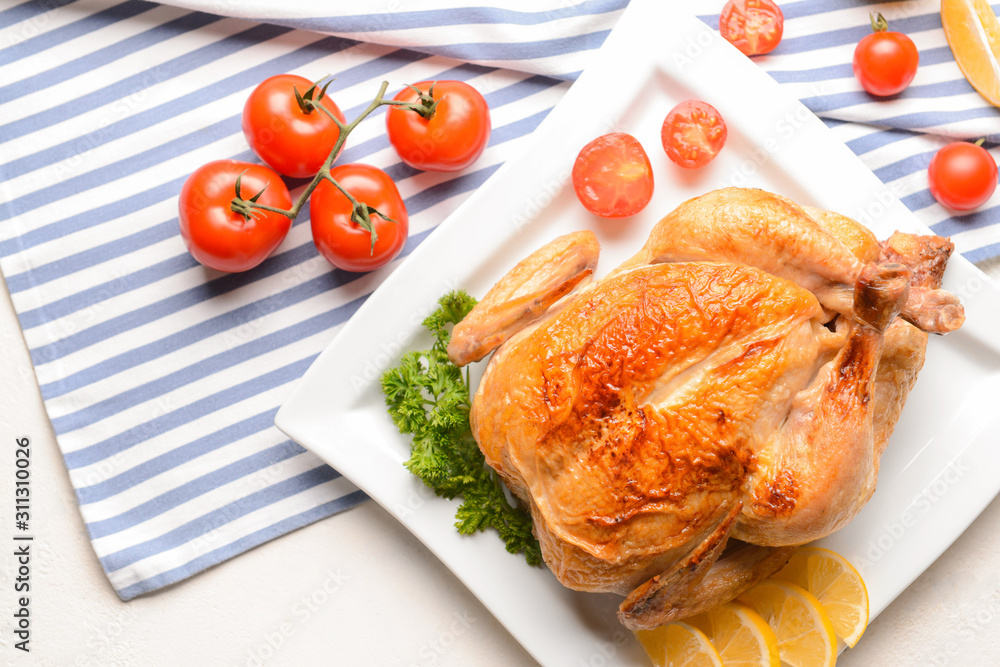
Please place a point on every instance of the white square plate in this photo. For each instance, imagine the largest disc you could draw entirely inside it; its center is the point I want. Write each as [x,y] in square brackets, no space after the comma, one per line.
[939,470]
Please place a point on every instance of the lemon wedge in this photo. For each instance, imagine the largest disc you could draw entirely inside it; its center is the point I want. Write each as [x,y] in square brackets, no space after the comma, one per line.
[804,631]
[740,635]
[973,32]
[836,584]
[679,645]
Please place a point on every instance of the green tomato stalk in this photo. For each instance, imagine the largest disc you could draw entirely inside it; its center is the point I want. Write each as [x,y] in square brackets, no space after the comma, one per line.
[309,102]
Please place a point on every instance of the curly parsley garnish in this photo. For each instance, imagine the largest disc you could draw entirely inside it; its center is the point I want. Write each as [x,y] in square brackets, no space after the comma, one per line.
[428,398]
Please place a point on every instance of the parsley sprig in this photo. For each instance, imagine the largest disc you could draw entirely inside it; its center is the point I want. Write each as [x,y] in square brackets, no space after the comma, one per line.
[428,398]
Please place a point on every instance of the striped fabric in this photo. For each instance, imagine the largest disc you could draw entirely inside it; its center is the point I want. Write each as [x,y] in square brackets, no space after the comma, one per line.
[162,378]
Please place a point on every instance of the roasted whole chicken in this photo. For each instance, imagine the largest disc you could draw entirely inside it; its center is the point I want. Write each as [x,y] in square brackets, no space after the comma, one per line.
[679,426]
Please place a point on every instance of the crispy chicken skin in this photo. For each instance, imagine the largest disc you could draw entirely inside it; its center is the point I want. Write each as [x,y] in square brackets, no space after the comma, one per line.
[679,426]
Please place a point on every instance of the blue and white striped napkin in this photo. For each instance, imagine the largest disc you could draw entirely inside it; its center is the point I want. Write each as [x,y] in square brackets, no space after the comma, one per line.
[162,378]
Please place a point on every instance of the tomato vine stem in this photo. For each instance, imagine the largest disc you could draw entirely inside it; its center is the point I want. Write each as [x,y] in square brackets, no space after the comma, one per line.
[361,213]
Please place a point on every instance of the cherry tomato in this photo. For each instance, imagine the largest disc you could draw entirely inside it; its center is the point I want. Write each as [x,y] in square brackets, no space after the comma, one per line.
[612,176]
[752,26]
[343,242]
[962,176]
[452,138]
[288,139]
[693,133]
[885,62]
[217,236]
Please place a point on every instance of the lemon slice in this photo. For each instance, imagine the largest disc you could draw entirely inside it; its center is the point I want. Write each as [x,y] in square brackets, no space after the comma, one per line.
[740,635]
[679,645]
[805,634]
[973,33]
[836,584]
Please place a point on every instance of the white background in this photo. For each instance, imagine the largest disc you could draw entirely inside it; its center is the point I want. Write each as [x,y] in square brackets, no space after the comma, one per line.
[356,588]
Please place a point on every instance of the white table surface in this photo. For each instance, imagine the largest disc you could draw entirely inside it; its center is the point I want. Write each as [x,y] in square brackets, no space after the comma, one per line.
[356,588]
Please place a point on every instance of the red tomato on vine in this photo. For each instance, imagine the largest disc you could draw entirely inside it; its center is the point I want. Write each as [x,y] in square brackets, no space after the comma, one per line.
[285,129]
[340,237]
[224,239]
[449,132]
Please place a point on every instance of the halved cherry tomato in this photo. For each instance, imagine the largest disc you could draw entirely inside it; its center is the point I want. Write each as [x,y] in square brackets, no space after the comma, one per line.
[343,242]
[693,133]
[752,26]
[217,236]
[612,176]
[962,176]
[452,138]
[885,62]
[288,139]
